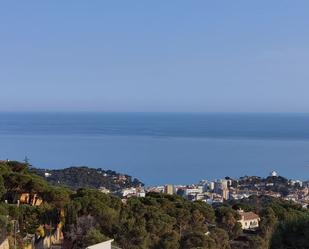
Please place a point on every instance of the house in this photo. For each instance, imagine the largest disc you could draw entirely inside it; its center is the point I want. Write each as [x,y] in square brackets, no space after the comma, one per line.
[30,199]
[126,192]
[248,220]
[104,190]
[132,192]
[103,245]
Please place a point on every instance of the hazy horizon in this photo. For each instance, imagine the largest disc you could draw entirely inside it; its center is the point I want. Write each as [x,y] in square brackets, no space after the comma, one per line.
[151,112]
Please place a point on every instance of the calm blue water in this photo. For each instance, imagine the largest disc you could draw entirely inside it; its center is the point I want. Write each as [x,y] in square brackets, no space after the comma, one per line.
[162,148]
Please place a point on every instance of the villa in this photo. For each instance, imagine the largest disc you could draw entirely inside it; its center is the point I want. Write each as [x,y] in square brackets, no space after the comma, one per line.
[248,220]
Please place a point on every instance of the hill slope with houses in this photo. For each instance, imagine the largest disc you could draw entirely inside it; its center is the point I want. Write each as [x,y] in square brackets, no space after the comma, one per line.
[34,212]
[80,177]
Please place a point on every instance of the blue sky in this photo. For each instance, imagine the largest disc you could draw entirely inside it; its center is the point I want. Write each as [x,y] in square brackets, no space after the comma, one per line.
[191,56]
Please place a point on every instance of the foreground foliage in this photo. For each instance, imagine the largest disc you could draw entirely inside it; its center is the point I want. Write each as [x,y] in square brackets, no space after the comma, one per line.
[156,222]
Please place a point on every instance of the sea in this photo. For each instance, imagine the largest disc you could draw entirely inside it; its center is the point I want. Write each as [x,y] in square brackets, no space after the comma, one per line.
[162,148]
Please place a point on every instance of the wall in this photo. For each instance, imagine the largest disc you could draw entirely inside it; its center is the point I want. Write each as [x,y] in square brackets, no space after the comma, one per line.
[5,244]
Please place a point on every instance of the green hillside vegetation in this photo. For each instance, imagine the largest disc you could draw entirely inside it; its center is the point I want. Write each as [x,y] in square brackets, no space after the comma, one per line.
[155,222]
[16,179]
[276,184]
[78,177]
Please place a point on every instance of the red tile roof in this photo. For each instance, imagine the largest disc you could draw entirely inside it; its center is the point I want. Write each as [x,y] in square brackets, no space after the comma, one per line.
[249,216]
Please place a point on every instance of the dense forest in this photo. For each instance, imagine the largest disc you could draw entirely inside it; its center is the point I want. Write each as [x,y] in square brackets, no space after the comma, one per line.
[157,221]
[85,177]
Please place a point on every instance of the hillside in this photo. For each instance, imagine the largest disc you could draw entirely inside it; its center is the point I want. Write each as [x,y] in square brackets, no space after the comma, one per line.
[79,177]
[157,221]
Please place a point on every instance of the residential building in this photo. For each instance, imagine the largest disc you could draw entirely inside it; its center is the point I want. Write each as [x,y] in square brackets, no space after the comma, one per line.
[128,192]
[248,220]
[169,189]
[193,191]
[225,194]
[211,186]
[220,185]
[104,190]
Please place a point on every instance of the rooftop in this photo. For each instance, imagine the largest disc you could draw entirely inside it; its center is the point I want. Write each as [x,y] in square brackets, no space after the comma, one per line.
[248,215]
